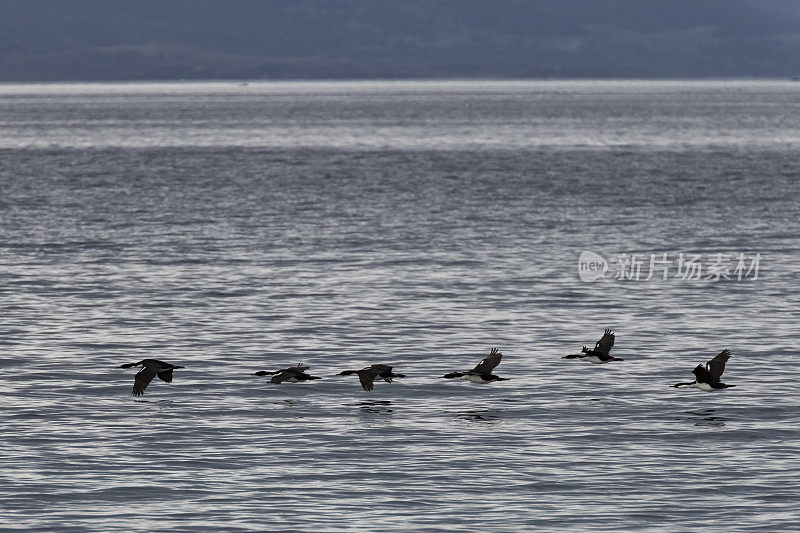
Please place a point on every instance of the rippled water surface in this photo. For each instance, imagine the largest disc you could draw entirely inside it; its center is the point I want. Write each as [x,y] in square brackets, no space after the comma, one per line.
[230,228]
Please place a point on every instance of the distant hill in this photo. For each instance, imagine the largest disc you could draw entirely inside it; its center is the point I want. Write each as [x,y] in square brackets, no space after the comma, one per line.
[43,40]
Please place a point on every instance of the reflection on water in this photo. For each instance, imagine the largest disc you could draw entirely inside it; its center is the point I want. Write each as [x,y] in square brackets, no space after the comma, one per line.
[378,407]
[480,415]
[155,403]
[704,417]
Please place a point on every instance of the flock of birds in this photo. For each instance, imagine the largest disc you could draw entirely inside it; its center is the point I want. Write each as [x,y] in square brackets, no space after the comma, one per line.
[707,376]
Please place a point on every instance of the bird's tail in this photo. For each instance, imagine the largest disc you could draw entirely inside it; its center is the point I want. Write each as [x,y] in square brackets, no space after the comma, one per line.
[347,373]
[263,373]
[452,375]
[573,356]
[127,365]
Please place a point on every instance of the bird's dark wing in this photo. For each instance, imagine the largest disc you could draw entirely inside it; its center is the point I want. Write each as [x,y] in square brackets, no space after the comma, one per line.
[165,375]
[367,375]
[716,366]
[384,371]
[487,365]
[281,376]
[605,343]
[143,379]
[703,375]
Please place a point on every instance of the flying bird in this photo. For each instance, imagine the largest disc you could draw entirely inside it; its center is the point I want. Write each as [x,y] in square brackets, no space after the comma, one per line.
[293,374]
[600,352]
[482,373]
[150,368]
[368,374]
[707,375]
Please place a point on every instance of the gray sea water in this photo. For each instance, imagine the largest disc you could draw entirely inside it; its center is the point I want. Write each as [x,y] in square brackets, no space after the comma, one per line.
[230,228]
